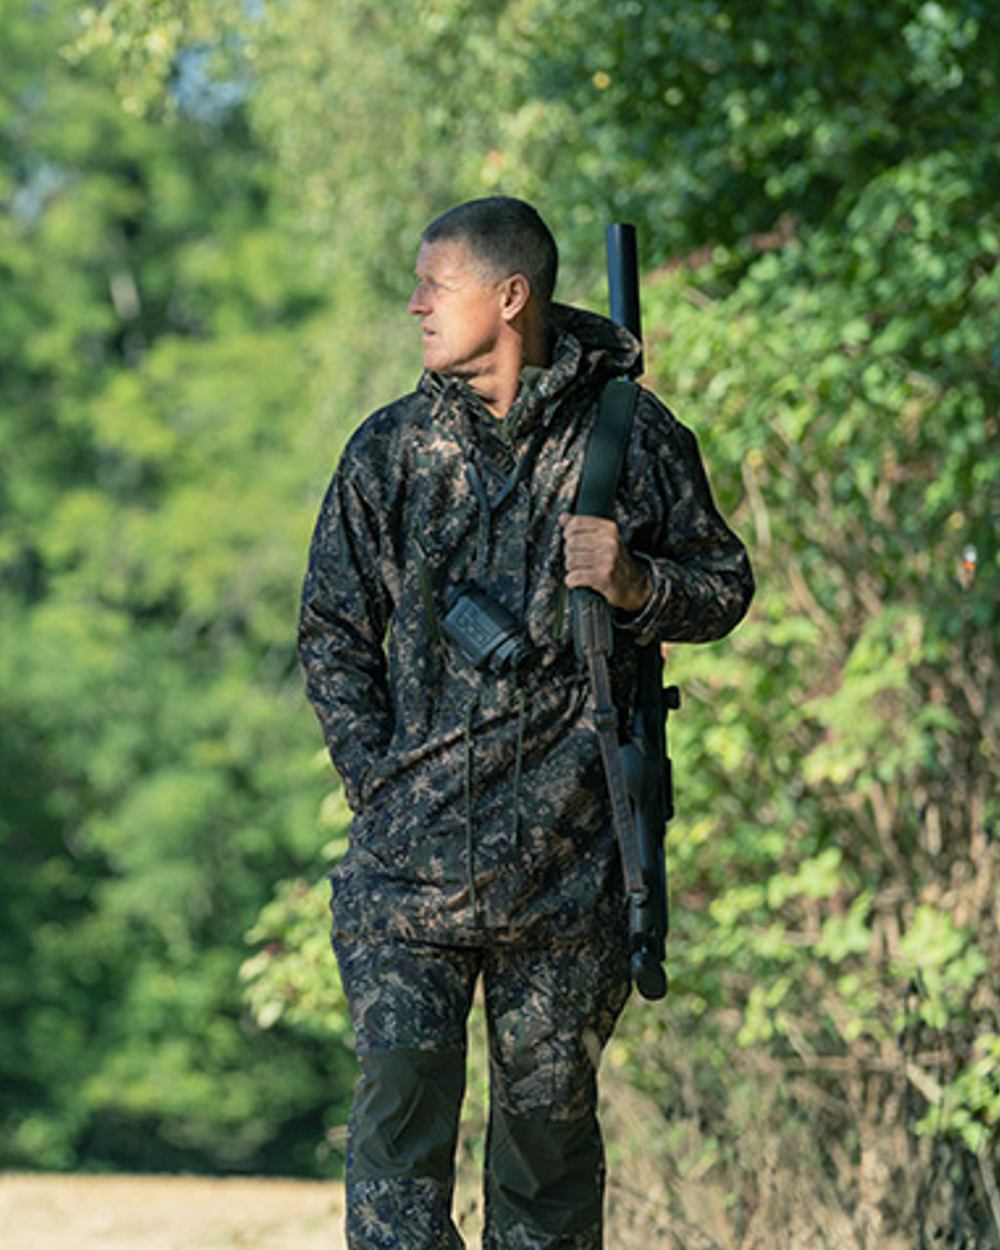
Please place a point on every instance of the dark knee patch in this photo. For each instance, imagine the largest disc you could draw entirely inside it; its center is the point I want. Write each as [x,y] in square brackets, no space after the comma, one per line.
[404,1122]
[548,1174]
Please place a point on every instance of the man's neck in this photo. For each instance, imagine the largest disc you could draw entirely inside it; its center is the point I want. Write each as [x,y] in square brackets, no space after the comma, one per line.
[498,383]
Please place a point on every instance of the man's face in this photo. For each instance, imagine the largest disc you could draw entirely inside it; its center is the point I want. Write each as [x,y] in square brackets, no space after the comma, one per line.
[460,309]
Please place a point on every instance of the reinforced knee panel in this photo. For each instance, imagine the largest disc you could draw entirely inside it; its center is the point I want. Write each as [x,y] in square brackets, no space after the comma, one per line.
[404,1122]
[545,1175]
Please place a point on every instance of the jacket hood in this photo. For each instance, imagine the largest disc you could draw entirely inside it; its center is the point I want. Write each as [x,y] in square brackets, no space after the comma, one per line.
[605,346]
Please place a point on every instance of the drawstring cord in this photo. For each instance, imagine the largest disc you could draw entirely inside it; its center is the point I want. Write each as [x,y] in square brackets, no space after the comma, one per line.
[488,508]
[518,758]
[485,517]
[469,830]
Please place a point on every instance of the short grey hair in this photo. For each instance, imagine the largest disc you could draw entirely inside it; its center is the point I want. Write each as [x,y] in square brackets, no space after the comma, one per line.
[507,234]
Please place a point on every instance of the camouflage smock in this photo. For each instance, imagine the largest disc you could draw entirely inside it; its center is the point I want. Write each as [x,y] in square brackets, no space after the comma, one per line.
[480,808]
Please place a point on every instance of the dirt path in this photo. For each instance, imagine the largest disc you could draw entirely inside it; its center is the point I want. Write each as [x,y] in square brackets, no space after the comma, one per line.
[168,1213]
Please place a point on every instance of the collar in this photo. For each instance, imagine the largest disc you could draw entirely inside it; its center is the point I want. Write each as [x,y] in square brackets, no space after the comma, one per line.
[584,345]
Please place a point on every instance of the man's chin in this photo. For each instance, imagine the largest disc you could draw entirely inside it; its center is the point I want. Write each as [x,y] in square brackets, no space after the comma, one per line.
[446,368]
[438,361]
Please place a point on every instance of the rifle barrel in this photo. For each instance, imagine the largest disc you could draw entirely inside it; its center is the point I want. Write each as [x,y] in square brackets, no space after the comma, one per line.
[623,280]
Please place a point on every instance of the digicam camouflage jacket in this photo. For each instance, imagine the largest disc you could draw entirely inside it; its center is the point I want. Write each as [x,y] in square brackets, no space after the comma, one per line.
[480,806]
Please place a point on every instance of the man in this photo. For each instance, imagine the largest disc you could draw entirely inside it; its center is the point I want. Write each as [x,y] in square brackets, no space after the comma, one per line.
[482,842]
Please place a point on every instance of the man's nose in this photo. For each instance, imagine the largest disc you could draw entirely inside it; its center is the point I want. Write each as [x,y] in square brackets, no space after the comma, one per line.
[418,301]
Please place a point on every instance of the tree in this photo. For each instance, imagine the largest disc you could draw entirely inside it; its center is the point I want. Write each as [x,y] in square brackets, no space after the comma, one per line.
[161,344]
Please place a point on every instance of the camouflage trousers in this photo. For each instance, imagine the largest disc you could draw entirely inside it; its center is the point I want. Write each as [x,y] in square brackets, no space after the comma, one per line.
[549,1013]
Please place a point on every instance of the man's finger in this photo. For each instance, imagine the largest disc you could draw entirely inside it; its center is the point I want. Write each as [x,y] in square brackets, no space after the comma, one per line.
[573,522]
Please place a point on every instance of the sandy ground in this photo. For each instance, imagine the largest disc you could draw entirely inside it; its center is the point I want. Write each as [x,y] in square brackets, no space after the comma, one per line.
[168,1213]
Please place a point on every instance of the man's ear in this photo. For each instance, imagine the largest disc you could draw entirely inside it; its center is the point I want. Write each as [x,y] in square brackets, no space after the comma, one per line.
[515,294]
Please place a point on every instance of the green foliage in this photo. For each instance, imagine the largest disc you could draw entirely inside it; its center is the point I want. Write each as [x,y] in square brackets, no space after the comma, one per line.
[291,979]
[704,123]
[162,342]
[970,1106]
[840,887]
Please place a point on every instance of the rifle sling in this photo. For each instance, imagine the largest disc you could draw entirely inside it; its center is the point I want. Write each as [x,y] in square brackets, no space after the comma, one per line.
[602,464]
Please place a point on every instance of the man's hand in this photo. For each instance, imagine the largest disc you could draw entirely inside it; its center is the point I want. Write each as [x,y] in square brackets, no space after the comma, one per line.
[597,557]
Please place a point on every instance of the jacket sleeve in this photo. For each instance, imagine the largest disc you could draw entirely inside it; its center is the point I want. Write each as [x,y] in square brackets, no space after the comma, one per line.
[702,583]
[344,615]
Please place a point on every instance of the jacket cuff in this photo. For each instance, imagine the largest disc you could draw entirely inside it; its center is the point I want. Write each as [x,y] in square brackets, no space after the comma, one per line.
[643,624]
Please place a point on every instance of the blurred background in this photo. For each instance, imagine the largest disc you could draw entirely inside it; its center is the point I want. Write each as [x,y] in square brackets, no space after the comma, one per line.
[210,216]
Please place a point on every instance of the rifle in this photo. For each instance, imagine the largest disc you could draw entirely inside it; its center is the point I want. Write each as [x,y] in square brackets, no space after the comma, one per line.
[638,771]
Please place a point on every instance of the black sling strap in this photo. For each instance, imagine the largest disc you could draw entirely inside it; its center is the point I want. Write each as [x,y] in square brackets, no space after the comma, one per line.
[602,467]
[602,463]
